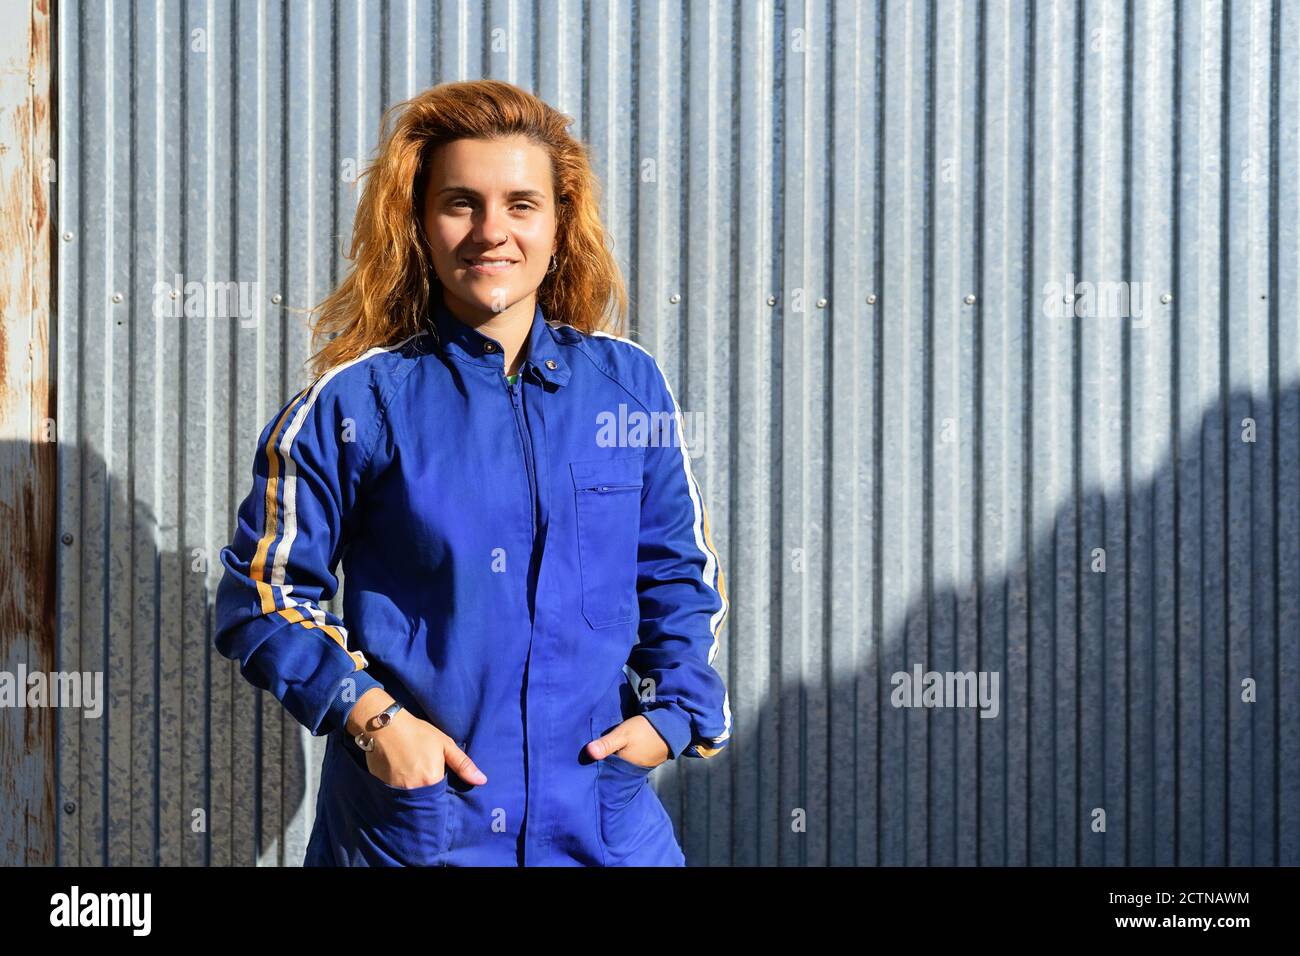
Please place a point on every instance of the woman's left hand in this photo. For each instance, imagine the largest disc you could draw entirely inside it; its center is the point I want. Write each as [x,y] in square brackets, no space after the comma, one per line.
[635,740]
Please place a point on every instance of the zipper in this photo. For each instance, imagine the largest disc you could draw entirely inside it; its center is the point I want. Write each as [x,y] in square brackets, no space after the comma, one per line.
[605,488]
[521,428]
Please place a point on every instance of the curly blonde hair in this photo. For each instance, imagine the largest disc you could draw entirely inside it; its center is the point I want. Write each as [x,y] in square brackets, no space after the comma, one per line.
[386,294]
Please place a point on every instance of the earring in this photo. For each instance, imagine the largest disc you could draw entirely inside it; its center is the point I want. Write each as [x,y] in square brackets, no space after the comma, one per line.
[554,264]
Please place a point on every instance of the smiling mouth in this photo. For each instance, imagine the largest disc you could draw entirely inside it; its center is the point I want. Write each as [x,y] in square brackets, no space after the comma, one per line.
[489,266]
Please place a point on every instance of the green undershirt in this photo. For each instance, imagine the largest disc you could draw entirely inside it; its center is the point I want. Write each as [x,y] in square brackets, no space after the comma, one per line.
[512,379]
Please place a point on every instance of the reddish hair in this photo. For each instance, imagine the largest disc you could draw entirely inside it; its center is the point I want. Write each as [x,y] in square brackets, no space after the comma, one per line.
[386,294]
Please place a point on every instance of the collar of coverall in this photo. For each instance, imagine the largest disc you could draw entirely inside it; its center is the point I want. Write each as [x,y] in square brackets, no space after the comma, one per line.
[467,344]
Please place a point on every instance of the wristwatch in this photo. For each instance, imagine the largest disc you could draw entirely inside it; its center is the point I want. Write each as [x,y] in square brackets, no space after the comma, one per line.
[381,720]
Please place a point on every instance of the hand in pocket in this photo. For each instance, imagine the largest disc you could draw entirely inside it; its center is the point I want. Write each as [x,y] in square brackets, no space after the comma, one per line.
[411,753]
[634,740]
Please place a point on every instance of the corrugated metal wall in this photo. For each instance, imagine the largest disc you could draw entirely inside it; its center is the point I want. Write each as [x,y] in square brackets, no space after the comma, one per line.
[852,232]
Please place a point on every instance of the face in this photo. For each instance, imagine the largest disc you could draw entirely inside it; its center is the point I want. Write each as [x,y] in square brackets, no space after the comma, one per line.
[490,199]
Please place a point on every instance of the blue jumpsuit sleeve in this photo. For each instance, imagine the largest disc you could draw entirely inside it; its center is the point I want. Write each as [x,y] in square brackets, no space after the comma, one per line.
[681,594]
[289,537]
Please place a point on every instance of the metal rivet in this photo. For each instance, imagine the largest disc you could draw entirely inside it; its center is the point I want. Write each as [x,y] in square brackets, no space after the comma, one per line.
[67,237]
[69,807]
[117,297]
[970,298]
[175,294]
[871,299]
[771,300]
[550,363]
[674,298]
[821,303]
[1166,298]
[67,537]
[276,299]
[489,347]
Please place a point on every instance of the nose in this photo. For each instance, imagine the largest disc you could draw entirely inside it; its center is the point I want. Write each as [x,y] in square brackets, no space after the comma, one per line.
[490,229]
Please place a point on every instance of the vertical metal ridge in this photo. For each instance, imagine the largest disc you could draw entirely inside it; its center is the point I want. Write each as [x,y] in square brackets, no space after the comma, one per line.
[877,427]
[1032,843]
[922,807]
[1175,408]
[1076,432]
[1224,379]
[1275,402]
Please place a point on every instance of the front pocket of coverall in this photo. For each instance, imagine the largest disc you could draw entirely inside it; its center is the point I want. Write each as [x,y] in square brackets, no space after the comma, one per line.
[608,495]
[627,810]
[397,826]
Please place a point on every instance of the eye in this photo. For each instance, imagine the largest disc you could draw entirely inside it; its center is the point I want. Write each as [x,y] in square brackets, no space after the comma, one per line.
[519,205]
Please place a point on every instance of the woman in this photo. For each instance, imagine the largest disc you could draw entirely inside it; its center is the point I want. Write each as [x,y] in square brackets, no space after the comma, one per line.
[506,486]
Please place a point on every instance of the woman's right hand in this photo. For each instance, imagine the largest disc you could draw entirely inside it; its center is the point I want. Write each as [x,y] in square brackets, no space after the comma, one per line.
[411,752]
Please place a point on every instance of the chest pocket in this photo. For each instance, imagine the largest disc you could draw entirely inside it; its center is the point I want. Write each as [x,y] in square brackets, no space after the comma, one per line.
[608,494]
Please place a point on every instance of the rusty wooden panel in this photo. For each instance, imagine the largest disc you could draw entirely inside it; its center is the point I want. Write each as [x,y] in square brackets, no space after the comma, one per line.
[27,439]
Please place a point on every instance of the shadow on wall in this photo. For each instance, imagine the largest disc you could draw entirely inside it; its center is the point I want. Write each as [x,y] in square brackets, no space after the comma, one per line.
[1119,692]
[186,763]
[1123,733]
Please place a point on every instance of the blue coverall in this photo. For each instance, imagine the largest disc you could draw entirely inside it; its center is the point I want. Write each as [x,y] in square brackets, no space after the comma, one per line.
[515,557]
